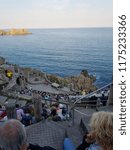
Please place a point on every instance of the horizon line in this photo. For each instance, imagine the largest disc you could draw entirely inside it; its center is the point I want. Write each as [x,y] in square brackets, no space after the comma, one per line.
[55,27]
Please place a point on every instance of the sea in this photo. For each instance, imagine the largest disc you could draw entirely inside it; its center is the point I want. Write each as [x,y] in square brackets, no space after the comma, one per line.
[63,52]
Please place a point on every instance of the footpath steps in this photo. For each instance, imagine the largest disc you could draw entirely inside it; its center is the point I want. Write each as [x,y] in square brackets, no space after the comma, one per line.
[84,123]
[50,133]
[72,131]
[46,134]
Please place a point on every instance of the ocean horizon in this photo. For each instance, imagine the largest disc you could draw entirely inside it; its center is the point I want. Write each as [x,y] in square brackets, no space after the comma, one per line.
[63,51]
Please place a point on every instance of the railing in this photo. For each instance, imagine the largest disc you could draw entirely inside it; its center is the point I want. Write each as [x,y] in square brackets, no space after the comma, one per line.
[90,94]
[72,107]
[87,96]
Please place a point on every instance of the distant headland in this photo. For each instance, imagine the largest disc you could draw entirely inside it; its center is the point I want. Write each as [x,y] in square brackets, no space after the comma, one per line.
[15,32]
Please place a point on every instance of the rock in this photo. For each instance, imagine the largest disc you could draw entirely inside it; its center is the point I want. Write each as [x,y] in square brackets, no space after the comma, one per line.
[14,32]
[2,61]
[82,82]
[2,32]
[3,79]
[85,73]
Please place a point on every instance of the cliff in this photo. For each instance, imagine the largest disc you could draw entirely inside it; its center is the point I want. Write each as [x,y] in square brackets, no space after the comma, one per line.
[14,32]
[80,83]
[2,60]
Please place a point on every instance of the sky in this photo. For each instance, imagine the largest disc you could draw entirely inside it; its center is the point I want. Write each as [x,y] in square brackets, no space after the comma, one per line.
[55,13]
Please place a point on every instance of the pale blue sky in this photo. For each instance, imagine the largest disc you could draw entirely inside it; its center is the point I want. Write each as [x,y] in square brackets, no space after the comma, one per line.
[55,13]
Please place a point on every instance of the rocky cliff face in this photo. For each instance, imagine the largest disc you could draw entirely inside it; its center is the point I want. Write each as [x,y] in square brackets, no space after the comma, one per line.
[80,83]
[2,60]
[83,82]
[14,32]
[3,78]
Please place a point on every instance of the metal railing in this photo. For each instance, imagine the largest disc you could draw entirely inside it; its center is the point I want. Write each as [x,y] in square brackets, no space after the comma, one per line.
[71,107]
[86,96]
[90,94]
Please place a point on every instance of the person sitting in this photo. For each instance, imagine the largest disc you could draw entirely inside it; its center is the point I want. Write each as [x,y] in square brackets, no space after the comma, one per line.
[53,111]
[44,111]
[59,112]
[19,112]
[2,113]
[1,110]
[13,137]
[27,118]
[101,136]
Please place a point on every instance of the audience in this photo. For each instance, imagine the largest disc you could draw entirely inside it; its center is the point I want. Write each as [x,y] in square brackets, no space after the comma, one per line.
[13,135]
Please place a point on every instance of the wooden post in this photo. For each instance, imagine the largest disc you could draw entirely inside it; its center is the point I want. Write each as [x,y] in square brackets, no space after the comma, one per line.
[73,117]
[67,107]
[11,111]
[37,107]
[98,104]
[110,97]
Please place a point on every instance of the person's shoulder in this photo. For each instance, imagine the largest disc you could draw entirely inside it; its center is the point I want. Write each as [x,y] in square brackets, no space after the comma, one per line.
[19,110]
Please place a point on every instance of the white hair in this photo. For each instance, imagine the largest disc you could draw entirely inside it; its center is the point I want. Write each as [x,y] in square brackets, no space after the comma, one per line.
[12,135]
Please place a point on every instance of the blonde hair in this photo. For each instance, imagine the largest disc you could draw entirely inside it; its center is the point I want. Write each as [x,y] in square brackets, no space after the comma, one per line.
[101,124]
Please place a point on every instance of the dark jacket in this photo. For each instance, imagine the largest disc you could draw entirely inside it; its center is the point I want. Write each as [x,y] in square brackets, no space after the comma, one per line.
[37,147]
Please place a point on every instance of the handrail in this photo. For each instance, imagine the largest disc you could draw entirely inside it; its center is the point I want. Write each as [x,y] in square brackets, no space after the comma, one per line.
[61,102]
[86,96]
[81,113]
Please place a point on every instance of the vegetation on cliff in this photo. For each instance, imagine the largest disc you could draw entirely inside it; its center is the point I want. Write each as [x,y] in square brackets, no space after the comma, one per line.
[79,83]
[82,82]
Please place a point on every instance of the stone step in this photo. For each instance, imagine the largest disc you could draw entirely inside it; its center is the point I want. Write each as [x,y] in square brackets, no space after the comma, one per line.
[46,133]
[50,133]
[84,123]
[72,131]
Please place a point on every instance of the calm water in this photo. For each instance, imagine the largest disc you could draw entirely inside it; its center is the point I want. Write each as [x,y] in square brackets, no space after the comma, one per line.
[63,51]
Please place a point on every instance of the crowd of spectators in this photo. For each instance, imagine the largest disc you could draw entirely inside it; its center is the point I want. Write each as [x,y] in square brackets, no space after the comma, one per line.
[55,112]
[13,135]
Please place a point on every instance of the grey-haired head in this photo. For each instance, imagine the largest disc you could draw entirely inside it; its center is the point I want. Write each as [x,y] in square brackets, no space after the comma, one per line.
[12,135]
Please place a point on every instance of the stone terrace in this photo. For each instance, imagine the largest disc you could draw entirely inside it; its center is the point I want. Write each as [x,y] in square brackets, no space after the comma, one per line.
[50,133]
